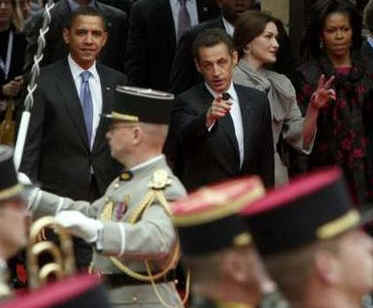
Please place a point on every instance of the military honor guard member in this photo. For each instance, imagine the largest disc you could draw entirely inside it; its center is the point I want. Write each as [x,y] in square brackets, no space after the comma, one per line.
[81,291]
[130,226]
[312,243]
[12,215]
[217,249]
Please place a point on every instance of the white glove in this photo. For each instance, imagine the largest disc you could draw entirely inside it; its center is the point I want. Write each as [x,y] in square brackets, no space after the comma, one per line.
[31,192]
[23,179]
[80,225]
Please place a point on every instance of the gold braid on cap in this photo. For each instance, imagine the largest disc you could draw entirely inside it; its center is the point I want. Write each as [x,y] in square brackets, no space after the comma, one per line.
[124,117]
[11,191]
[339,225]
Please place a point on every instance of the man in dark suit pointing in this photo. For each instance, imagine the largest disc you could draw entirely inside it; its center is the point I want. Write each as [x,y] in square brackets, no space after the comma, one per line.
[220,130]
[66,151]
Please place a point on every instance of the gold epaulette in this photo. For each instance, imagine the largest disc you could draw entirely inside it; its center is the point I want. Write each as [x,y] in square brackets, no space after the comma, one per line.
[158,183]
[160,180]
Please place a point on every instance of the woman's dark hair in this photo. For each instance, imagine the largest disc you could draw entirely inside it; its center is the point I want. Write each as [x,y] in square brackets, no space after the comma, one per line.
[248,26]
[310,47]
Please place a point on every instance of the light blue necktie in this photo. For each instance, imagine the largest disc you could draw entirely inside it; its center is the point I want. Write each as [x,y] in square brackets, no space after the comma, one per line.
[86,101]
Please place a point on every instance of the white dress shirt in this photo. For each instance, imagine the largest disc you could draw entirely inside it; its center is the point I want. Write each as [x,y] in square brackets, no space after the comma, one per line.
[191,6]
[229,28]
[236,115]
[370,41]
[96,91]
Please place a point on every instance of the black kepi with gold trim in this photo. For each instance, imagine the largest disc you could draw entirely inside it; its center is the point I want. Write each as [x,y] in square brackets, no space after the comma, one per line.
[9,186]
[133,104]
[310,208]
[207,220]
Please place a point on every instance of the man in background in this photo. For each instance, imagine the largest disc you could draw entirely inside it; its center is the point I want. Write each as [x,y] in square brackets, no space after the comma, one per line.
[116,25]
[66,151]
[155,29]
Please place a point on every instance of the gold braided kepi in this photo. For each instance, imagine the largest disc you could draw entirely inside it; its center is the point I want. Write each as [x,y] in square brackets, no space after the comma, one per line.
[133,104]
[207,219]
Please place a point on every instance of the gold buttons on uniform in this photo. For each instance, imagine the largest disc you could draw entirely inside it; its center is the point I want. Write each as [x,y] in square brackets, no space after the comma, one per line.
[126,176]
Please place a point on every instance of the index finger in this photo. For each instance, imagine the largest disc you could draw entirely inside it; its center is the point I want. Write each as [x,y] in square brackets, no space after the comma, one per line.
[329,82]
[321,82]
[226,105]
[217,99]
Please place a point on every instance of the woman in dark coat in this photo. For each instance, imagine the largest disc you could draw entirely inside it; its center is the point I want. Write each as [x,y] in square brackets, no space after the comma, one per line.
[332,44]
[12,49]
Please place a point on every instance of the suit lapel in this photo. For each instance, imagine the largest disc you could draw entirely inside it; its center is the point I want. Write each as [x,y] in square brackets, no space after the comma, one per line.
[71,100]
[203,10]
[245,112]
[106,88]
[226,123]
[220,24]
[165,16]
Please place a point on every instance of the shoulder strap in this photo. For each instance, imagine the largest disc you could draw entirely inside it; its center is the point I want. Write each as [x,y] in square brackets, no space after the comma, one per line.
[158,183]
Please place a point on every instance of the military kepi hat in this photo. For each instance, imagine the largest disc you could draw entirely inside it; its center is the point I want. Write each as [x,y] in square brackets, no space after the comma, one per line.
[312,208]
[207,220]
[9,186]
[134,104]
[81,291]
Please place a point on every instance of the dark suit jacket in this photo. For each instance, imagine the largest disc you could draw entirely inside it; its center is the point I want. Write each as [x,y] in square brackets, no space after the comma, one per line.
[367,54]
[184,75]
[57,153]
[16,64]
[111,55]
[152,41]
[206,157]
[124,5]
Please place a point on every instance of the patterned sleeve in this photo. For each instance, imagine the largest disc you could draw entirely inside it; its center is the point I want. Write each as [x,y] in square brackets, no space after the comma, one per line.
[304,90]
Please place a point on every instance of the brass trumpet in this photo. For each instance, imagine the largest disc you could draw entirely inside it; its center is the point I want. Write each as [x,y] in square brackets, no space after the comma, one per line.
[64,263]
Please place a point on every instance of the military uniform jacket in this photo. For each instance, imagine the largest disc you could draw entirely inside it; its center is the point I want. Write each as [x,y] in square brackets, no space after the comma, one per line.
[152,237]
[270,300]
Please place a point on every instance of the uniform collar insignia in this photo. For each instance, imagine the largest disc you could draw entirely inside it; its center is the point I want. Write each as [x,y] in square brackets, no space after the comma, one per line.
[126,176]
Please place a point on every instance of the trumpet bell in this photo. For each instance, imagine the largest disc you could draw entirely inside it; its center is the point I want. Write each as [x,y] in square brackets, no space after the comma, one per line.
[63,264]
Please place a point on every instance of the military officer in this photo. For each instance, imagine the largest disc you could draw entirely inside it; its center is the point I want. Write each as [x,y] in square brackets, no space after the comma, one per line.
[129,227]
[217,249]
[312,243]
[12,213]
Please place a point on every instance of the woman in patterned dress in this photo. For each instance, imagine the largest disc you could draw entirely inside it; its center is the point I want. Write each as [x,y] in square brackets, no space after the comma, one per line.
[332,48]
